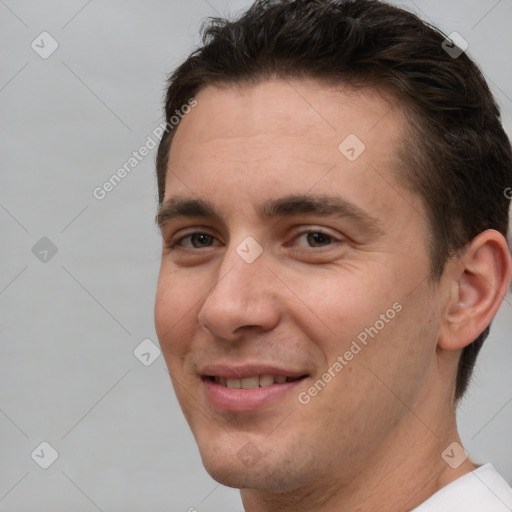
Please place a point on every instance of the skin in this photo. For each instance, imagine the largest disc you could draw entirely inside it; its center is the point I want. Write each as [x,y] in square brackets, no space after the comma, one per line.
[372,438]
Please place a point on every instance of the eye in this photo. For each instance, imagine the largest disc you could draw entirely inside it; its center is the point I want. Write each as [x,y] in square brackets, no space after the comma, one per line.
[195,241]
[315,238]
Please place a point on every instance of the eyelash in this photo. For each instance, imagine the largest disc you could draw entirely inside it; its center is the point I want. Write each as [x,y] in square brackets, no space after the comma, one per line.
[333,239]
[177,242]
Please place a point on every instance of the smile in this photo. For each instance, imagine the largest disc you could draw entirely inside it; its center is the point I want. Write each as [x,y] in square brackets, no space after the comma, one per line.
[257,381]
[249,388]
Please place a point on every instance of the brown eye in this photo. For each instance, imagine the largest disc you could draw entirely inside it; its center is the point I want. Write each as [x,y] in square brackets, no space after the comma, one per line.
[318,239]
[196,241]
[201,240]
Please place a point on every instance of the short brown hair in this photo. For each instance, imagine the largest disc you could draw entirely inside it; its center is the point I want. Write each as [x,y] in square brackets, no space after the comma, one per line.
[458,157]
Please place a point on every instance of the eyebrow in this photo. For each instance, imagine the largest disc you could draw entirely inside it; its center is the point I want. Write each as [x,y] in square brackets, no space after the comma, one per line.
[287,206]
[323,205]
[175,208]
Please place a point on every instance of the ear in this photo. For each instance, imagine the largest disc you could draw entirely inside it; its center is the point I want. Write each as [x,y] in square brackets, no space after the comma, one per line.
[478,280]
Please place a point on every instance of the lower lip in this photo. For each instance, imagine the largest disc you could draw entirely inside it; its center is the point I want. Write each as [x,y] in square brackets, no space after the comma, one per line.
[246,400]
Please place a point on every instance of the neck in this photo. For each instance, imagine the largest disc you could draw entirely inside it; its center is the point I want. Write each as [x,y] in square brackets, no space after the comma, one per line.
[406,471]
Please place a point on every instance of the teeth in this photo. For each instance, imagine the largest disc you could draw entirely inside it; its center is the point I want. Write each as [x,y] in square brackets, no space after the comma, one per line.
[233,383]
[252,382]
[266,380]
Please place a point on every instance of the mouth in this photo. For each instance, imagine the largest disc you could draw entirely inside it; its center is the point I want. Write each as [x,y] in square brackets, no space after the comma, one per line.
[256,381]
[249,389]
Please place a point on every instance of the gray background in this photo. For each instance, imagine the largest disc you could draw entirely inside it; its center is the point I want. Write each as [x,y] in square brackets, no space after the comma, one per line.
[69,326]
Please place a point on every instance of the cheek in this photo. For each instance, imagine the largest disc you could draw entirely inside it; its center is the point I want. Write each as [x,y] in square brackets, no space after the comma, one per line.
[174,309]
[342,305]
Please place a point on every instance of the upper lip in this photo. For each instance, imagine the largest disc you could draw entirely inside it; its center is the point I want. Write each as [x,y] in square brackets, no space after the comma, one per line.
[233,371]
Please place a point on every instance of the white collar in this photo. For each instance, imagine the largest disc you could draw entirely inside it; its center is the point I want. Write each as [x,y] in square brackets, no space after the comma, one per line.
[483,490]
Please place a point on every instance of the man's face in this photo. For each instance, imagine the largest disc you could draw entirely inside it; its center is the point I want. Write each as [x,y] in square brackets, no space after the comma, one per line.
[300,254]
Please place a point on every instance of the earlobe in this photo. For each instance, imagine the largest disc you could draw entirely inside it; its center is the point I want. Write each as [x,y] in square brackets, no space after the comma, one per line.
[479,282]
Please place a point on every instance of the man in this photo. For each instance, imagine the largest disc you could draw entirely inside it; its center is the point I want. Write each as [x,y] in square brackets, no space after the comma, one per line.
[334,215]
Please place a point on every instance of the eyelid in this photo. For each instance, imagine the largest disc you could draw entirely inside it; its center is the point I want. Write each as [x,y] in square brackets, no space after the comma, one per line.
[336,236]
[175,239]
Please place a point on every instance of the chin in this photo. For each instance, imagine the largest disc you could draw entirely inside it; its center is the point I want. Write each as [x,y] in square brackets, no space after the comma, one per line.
[230,477]
[247,478]
[248,468]
[232,462]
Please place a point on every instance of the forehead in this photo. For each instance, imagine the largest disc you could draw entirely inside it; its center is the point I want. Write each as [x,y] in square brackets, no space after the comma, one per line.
[260,140]
[299,121]
[291,107]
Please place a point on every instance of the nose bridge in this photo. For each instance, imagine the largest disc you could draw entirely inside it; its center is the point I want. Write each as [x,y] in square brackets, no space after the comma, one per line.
[242,295]
[242,270]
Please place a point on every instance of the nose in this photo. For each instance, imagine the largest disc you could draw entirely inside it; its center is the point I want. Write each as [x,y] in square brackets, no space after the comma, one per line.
[242,298]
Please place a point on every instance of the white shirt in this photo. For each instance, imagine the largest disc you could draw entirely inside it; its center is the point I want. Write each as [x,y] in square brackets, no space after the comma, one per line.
[483,490]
